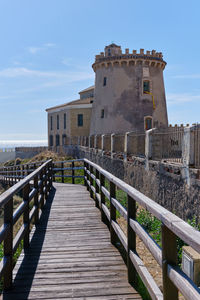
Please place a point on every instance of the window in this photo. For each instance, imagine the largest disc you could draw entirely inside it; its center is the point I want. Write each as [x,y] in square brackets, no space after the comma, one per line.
[64,139]
[102,113]
[148,123]
[51,140]
[109,52]
[65,121]
[104,81]
[51,122]
[80,120]
[146,86]
[57,121]
[57,140]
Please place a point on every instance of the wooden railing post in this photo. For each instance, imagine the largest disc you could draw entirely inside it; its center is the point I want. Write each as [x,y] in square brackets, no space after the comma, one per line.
[8,244]
[85,173]
[91,182]
[102,183]
[50,175]
[97,188]
[73,179]
[45,183]
[53,172]
[42,189]
[62,172]
[131,240]
[169,256]
[15,170]
[113,236]
[26,191]
[22,171]
[36,200]
[27,172]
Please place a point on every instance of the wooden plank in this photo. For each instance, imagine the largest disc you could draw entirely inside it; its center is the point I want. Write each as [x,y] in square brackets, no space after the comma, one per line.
[70,254]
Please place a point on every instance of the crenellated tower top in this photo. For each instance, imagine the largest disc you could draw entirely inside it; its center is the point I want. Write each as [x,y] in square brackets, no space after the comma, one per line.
[113,56]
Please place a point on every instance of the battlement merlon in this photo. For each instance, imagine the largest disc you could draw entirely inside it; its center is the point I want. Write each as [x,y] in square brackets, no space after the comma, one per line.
[113,55]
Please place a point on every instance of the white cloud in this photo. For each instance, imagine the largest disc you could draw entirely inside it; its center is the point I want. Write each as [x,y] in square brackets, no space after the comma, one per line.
[66,61]
[49,45]
[182,98]
[34,50]
[187,76]
[25,72]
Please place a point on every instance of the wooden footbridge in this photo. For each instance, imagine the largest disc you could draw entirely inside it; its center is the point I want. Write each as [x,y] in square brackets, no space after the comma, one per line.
[70,236]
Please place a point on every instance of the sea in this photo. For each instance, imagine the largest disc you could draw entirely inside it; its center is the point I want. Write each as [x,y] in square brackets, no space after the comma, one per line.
[9,145]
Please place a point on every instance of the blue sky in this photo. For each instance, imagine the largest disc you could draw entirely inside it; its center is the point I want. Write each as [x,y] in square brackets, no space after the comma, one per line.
[48,46]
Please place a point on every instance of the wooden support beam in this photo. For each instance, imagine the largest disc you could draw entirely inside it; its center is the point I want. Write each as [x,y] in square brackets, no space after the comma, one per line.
[26,191]
[131,237]
[8,244]
[169,256]
[113,235]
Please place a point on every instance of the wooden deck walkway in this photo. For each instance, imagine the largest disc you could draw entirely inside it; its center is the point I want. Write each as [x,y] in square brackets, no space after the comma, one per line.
[70,256]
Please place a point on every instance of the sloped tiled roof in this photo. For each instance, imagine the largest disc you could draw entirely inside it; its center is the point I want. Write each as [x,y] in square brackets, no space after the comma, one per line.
[75,102]
[88,89]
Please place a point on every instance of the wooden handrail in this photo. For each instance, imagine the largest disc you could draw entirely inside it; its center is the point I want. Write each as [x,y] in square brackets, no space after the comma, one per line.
[94,179]
[172,227]
[42,179]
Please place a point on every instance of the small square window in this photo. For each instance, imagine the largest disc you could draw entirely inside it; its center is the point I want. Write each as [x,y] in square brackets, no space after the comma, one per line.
[80,120]
[104,81]
[102,113]
[146,86]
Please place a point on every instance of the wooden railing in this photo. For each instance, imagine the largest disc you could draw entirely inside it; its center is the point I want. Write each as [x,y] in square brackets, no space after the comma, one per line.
[12,174]
[35,188]
[97,179]
[174,279]
[67,169]
[62,170]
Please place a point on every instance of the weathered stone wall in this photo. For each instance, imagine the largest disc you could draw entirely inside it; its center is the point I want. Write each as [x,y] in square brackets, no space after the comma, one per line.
[28,152]
[165,183]
[4,156]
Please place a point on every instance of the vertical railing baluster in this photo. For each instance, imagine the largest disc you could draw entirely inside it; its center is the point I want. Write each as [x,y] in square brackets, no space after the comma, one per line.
[85,173]
[73,178]
[36,200]
[62,171]
[131,240]
[91,182]
[97,188]
[50,175]
[42,189]
[8,244]
[45,183]
[169,256]
[113,236]
[102,183]
[53,172]
[26,191]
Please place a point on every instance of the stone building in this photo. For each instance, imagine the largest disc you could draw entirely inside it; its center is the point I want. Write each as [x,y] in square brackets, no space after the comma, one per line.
[129,91]
[70,119]
[128,95]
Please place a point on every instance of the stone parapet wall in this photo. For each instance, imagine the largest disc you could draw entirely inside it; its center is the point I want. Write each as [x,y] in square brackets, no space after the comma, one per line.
[165,183]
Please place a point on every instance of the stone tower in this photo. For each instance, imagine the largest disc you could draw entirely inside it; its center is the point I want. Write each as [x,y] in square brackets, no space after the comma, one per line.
[129,91]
